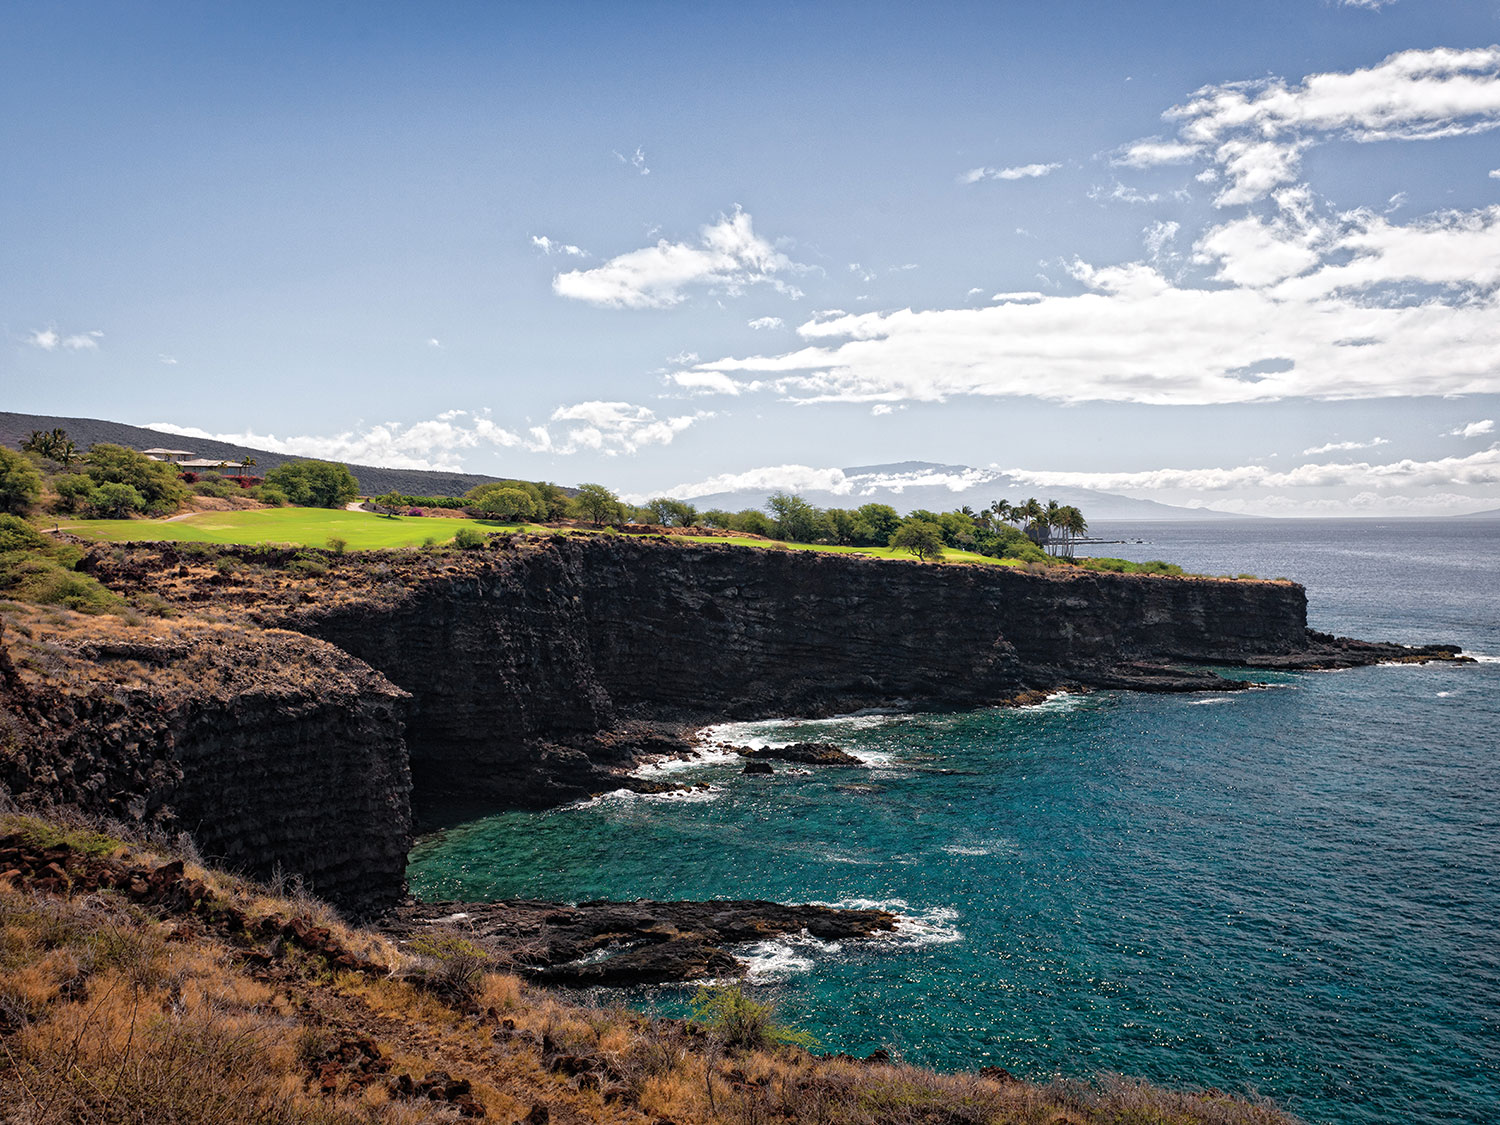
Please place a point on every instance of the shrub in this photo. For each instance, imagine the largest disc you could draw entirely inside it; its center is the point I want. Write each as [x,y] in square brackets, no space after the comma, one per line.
[269,494]
[468,538]
[498,502]
[116,500]
[155,481]
[212,484]
[315,484]
[20,483]
[18,535]
[922,538]
[743,1023]
[337,544]
[72,491]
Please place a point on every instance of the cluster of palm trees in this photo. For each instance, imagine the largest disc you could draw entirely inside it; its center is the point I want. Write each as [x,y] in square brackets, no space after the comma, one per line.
[1052,526]
[55,445]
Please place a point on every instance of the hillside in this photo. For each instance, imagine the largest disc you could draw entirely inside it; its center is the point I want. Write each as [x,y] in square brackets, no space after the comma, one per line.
[139,986]
[906,485]
[373,479]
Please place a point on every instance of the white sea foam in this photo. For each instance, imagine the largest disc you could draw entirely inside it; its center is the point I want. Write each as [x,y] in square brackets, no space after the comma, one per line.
[960,849]
[1210,702]
[780,958]
[914,927]
[1056,701]
[625,796]
[706,757]
[1483,658]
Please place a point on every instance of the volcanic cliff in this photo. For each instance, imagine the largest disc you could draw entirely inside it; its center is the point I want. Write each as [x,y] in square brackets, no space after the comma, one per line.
[275,714]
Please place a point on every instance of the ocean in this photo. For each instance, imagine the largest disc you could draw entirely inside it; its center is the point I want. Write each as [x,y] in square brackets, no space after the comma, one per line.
[1293,891]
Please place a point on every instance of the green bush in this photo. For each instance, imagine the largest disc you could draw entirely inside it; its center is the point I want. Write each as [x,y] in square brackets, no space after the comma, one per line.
[155,481]
[743,1023]
[497,502]
[212,484]
[269,494]
[338,544]
[20,483]
[314,484]
[18,535]
[116,500]
[468,538]
[72,491]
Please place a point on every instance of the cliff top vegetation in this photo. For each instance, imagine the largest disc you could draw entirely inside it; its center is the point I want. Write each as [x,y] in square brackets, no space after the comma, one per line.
[138,985]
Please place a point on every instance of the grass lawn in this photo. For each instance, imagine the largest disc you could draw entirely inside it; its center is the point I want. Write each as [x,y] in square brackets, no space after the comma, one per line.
[950,554]
[303,527]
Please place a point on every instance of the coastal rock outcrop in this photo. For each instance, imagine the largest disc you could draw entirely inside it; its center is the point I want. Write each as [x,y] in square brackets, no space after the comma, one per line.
[533,671]
[272,750]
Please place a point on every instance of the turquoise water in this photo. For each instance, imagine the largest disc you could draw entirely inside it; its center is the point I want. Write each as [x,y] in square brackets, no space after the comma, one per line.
[1292,890]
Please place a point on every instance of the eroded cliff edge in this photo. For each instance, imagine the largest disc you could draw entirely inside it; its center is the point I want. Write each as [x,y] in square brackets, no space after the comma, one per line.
[532,671]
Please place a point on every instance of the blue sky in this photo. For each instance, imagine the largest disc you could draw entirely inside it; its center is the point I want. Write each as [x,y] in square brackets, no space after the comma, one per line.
[1244,255]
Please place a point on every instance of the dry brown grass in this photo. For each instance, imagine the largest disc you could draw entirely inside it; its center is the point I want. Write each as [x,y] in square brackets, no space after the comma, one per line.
[111,1014]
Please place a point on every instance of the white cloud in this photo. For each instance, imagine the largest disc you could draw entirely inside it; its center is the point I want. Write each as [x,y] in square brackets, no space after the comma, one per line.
[169,360]
[549,247]
[766,322]
[1136,337]
[881,408]
[728,257]
[50,339]
[1019,172]
[1473,429]
[1153,150]
[768,479]
[1344,446]
[1481,468]
[1257,132]
[1157,236]
[434,342]
[1495,173]
[432,444]
[608,427]
[1371,5]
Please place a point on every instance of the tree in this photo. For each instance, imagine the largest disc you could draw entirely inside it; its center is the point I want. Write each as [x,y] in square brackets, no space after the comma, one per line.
[54,444]
[315,484]
[596,503]
[72,491]
[754,522]
[497,503]
[389,503]
[717,517]
[156,481]
[1074,527]
[796,519]
[20,483]
[840,525]
[922,538]
[115,500]
[876,524]
[672,513]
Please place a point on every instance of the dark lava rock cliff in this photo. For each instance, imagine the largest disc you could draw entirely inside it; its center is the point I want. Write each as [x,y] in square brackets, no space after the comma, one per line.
[276,717]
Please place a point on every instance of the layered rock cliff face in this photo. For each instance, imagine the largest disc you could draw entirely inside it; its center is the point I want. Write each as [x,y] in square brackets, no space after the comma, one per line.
[529,672]
[272,750]
[515,663]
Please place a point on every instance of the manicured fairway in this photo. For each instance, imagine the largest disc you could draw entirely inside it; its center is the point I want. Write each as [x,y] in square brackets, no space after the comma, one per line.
[306,527]
[949,554]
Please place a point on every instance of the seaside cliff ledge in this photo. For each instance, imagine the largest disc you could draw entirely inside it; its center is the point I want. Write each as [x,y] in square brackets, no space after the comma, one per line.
[293,703]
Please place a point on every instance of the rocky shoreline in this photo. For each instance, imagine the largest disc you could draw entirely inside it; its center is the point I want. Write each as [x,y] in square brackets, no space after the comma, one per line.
[589,944]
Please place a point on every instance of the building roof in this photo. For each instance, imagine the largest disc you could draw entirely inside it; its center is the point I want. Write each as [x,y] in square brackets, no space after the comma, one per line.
[169,452]
[203,463]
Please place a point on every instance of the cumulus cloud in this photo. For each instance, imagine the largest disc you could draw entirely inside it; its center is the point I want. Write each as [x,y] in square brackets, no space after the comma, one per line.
[1333,307]
[1481,468]
[433,444]
[1344,446]
[1019,172]
[766,322]
[1473,429]
[728,257]
[1255,133]
[169,360]
[608,427]
[549,247]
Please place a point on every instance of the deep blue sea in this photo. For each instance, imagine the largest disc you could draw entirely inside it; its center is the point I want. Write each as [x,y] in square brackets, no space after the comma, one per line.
[1294,891]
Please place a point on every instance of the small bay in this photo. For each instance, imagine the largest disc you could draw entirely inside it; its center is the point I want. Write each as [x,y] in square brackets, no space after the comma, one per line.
[1292,890]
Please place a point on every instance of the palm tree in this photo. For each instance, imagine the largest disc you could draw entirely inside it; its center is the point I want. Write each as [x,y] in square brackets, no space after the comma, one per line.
[1030,515]
[1073,526]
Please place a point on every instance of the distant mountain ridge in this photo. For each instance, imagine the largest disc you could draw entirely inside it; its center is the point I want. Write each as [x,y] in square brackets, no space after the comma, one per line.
[906,485]
[373,479]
